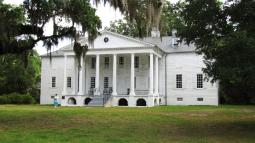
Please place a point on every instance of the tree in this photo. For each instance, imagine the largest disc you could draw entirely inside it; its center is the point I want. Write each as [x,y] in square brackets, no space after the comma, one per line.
[23,26]
[15,77]
[125,27]
[170,19]
[145,13]
[14,23]
[225,35]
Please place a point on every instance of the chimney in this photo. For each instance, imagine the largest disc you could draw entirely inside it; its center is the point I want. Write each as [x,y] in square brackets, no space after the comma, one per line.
[155,33]
[174,31]
[175,40]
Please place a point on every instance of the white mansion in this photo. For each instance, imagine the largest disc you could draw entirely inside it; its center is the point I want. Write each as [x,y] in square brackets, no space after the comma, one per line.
[123,71]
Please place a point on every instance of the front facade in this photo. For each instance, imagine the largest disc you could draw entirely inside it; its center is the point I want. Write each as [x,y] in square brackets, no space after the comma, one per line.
[122,71]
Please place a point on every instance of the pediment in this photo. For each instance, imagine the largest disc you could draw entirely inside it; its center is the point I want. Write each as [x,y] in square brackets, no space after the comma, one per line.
[113,40]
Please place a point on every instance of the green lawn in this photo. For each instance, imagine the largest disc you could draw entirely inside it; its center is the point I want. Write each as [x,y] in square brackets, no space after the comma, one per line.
[182,124]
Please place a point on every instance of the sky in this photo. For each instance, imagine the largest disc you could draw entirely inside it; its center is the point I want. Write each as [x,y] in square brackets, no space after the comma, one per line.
[106,14]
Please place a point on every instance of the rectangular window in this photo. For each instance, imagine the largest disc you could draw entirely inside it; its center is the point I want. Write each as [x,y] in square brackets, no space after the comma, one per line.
[178,81]
[53,82]
[135,82]
[121,61]
[200,99]
[199,81]
[179,99]
[106,62]
[149,61]
[92,82]
[69,82]
[93,62]
[136,62]
[106,82]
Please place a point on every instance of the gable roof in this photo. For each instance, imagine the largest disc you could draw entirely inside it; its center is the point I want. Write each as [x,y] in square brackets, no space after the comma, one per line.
[163,43]
[129,38]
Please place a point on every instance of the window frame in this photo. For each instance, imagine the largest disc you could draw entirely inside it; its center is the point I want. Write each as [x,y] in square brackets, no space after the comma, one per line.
[135,82]
[106,82]
[93,82]
[179,81]
[200,99]
[106,62]
[53,82]
[179,99]
[137,62]
[121,61]
[200,81]
[69,82]
[93,62]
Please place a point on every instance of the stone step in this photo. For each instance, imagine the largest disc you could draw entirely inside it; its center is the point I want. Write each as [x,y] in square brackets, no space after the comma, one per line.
[96,101]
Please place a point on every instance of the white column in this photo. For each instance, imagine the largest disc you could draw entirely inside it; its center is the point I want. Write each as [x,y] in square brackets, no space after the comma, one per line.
[132,77]
[114,74]
[151,74]
[74,77]
[65,78]
[81,77]
[156,76]
[97,75]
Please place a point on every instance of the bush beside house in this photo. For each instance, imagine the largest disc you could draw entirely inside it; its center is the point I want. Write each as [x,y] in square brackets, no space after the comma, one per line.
[16,98]
[19,79]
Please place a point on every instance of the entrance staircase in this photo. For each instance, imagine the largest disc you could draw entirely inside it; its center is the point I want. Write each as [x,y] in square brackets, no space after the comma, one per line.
[99,101]
[96,102]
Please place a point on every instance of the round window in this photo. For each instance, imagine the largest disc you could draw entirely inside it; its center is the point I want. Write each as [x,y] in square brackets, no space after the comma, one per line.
[106,39]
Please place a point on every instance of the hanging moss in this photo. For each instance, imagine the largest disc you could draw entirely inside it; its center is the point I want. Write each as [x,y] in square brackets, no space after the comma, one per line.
[79,51]
[150,10]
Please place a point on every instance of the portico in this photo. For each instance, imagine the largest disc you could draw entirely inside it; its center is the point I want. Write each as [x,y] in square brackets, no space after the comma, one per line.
[134,62]
[115,72]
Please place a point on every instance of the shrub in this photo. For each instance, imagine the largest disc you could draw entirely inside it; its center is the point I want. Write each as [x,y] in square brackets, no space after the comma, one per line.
[35,93]
[4,99]
[16,98]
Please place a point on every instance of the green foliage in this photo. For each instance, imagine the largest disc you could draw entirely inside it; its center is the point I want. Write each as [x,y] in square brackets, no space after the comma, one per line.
[225,35]
[124,27]
[16,98]
[146,14]
[22,27]
[170,19]
[15,77]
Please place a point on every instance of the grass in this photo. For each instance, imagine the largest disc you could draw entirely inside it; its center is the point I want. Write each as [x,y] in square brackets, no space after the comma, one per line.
[181,124]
